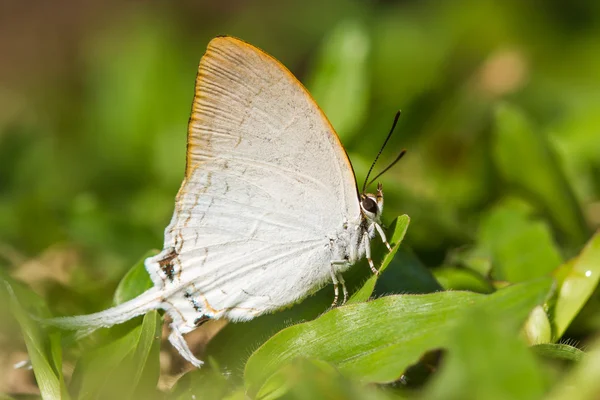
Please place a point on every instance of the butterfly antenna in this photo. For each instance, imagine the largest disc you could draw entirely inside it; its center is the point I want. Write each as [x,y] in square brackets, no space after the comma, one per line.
[402,153]
[380,151]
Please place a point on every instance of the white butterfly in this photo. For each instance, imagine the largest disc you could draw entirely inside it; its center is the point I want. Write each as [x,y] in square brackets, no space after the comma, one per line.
[269,210]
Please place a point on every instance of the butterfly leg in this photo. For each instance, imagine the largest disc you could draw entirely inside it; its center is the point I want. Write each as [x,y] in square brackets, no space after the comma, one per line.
[336,290]
[367,243]
[344,290]
[177,340]
[337,279]
[382,234]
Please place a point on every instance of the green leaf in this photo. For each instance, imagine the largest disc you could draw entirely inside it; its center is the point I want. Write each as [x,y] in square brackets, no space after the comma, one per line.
[399,227]
[135,282]
[239,394]
[43,348]
[127,364]
[405,274]
[487,360]
[339,80]
[558,351]
[145,362]
[126,367]
[375,341]
[519,246]
[583,381]
[537,329]
[205,383]
[578,278]
[476,259]
[527,161]
[307,379]
[453,278]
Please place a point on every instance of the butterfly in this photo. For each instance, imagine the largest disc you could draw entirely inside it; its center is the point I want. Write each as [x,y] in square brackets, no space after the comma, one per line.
[268,211]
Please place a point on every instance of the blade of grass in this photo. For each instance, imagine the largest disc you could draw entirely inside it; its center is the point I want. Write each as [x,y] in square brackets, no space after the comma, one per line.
[399,227]
[375,341]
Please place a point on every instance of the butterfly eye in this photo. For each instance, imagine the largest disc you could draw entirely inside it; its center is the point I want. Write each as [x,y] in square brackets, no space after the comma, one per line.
[369,205]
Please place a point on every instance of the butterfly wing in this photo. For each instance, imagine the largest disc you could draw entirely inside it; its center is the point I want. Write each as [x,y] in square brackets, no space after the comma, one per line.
[267,188]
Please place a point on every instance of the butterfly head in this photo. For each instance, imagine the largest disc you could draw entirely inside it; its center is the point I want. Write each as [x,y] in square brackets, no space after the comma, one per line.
[372,204]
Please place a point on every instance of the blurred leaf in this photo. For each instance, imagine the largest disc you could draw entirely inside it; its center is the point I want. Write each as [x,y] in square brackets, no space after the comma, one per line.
[339,80]
[306,379]
[135,282]
[405,274]
[136,97]
[576,139]
[537,329]
[476,259]
[520,247]
[400,35]
[527,161]
[583,381]
[558,351]
[487,360]
[205,383]
[399,227]
[377,340]
[578,280]
[126,367]
[43,348]
[587,319]
[453,278]
[239,394]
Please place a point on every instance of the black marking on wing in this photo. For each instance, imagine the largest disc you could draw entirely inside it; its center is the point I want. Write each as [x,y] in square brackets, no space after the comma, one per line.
[201,320]
[193,301]
[167,264]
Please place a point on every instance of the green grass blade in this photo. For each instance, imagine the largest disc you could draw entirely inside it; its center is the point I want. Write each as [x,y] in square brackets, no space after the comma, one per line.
[399,227]
[578,279]
[453,278]
[43,348]
[127,365]
[558,351]
[135,282]
[124,367]
[375,341]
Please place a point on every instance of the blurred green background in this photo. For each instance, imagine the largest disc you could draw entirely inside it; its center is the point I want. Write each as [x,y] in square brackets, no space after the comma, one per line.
[500,109]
